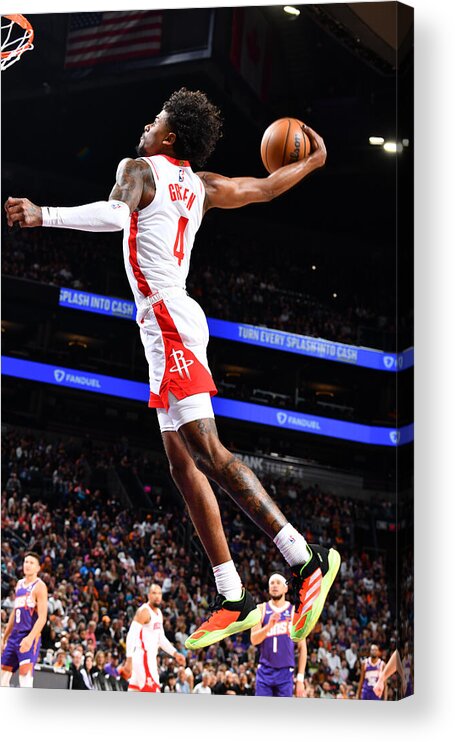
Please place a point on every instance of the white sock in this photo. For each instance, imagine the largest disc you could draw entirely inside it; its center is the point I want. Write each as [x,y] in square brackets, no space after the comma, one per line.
[228,582]
[292,545]
[6,677]
[26,681]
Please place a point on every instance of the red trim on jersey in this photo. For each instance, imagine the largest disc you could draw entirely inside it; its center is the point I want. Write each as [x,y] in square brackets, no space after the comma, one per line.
[180,163]
[184,375]
[154,167]
[142,284]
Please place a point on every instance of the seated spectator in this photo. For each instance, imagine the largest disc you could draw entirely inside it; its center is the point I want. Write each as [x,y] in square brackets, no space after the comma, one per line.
[244,687]
[87,671]
[182,685]
[203,686]
[75,671]
[110,668]
[170,685]
[100,661]
[60,663]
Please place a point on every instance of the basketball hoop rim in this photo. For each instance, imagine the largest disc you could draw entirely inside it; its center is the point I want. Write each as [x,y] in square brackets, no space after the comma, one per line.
[28,41]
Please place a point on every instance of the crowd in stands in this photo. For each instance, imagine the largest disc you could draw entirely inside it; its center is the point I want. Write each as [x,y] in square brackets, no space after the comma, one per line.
[99,558]
[234,288]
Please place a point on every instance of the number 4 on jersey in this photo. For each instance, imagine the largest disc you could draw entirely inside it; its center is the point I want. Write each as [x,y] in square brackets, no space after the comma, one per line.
[179,244]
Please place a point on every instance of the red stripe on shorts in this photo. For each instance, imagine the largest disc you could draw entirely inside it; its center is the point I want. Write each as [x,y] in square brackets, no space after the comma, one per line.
[143,286]
[184,375]
[151,686]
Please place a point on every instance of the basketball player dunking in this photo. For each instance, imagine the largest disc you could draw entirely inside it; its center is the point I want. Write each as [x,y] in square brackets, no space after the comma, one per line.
[275,674]
[21,641]
[370,673]
[159,202]
[145,637]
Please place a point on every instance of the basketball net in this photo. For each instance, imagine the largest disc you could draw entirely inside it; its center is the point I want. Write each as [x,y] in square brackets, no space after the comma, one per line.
[17,38]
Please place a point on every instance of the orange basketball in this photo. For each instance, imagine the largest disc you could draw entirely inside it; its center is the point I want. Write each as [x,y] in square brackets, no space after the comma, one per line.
[284,142]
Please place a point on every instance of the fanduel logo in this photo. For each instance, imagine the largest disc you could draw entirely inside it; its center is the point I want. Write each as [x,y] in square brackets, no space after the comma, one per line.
[395,436]
[88,381]
[281,417]
[389,361]
[181,363]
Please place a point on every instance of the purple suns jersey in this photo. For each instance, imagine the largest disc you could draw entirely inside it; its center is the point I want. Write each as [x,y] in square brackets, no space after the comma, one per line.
[277,649]
[25,611]
[370,679]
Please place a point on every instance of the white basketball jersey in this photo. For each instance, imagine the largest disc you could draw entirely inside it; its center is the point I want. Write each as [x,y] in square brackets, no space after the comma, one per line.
[151,632]
[157,245]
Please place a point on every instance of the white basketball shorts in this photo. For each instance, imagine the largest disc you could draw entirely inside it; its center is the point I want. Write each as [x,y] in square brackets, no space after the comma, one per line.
[175,335]
[144,676]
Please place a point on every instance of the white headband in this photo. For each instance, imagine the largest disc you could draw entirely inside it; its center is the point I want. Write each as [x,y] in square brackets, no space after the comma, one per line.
[278,577]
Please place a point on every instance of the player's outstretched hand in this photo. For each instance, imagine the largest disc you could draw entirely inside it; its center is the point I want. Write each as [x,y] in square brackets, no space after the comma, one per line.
[318,148]
[23,212]
[180,659]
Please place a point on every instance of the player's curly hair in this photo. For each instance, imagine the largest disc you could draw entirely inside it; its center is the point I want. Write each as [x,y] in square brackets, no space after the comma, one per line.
[197,124]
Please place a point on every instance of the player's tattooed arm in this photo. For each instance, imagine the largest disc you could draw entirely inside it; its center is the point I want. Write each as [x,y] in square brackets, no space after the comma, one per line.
[134,184]
[232,193]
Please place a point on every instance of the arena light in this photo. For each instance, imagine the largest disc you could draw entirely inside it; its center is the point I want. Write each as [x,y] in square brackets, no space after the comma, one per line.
[393,147]
[290,10]
[313,267]
[377,141]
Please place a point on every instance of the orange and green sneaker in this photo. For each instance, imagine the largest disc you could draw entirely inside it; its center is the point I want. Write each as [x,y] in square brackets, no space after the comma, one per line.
[312,582]
[228,617]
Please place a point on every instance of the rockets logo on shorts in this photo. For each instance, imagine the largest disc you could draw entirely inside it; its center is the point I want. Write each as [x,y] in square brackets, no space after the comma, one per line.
[181,363]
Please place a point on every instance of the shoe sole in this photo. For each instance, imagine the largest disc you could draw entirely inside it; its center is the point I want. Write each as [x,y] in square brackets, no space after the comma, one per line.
[318,605]
[216,636]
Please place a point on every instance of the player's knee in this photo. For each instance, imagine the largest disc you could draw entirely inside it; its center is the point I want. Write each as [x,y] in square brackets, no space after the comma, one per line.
[182,472]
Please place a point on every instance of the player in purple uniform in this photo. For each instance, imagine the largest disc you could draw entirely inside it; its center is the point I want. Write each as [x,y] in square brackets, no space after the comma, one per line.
[275,674]
[22,638]
[371,670]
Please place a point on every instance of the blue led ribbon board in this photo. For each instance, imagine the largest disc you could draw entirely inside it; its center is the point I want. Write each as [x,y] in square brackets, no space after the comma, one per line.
[252,335]
[247,411]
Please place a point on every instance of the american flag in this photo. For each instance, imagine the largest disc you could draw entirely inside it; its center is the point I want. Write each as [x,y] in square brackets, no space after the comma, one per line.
[98,38]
